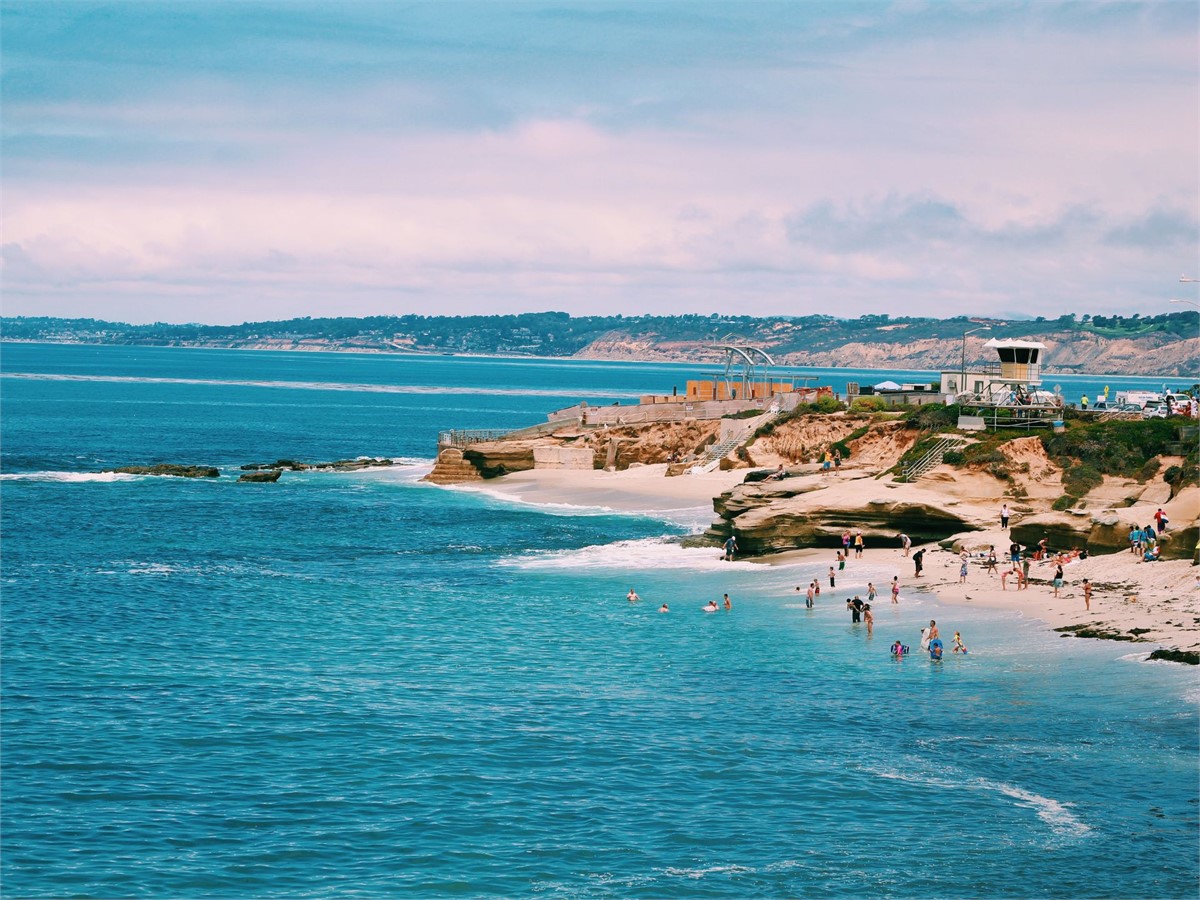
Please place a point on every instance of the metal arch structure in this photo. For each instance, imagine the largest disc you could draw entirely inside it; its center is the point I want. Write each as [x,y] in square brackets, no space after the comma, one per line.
[755,365]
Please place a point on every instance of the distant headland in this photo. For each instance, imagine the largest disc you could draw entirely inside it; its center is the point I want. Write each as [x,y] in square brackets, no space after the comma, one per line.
[1167,344]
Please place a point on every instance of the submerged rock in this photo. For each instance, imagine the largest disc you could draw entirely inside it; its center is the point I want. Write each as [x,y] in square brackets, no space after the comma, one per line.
[268,475]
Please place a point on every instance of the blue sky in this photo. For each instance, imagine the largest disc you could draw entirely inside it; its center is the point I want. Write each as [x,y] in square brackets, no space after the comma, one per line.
[224,162]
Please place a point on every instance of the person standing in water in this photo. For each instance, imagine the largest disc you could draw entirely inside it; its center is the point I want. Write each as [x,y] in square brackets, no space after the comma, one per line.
[728,603]
[730,548]
[868,617]
[632,596]
[959,646]
[895,588]
[832,577]
[870,592]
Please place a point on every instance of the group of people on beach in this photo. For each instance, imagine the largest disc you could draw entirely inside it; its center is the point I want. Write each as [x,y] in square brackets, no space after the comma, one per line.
[1143,542]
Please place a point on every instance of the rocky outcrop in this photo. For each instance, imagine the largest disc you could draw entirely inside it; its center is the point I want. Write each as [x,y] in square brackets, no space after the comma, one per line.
[340,465]
[772,517]
[1103,532]
[265,476]
[171,469]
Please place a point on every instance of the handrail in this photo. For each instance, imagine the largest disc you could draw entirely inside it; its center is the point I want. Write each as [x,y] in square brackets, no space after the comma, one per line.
[932,457]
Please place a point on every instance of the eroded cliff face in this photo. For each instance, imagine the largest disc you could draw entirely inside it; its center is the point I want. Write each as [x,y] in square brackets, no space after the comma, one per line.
[1064,353]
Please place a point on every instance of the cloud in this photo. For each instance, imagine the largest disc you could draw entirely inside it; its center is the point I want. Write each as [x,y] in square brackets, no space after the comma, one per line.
[229,160]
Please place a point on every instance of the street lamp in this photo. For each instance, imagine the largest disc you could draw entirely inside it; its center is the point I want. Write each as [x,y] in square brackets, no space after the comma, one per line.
[1187,302]
[962,369]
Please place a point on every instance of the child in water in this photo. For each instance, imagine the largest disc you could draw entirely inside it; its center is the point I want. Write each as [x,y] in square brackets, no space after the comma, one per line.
[959,646]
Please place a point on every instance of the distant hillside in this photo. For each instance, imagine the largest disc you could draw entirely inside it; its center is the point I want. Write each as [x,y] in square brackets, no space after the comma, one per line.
[1158,345]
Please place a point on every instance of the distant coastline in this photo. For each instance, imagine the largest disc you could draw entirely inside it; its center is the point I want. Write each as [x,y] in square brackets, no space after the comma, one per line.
[1168,344]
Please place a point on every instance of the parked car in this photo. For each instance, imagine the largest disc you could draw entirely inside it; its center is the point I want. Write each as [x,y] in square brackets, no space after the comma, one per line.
[1155,409]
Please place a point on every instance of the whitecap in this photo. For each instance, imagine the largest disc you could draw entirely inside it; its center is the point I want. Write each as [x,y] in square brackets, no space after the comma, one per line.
[69,477]
[654,554]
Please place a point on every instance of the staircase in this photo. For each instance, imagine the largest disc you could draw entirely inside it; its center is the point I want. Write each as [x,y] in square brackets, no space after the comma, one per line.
[930,459]
[716,452]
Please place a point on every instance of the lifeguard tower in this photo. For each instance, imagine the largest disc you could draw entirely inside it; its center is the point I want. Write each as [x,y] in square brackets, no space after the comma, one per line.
[1007,394]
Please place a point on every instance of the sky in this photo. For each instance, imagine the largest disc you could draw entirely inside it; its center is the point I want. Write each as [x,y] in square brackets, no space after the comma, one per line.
[241,161]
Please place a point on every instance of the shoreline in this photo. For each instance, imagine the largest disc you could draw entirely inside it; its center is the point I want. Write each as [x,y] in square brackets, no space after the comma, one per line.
[1165,613]
[366,351]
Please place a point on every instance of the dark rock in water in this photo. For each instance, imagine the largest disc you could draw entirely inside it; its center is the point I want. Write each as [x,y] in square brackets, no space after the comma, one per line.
[340,465]
[177,471]
[1190,657]
[268,475]
[290,464]
[351,465]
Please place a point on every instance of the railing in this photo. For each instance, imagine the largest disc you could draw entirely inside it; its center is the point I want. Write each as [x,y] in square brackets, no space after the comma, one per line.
[713,456]
[932,458]
[465,437]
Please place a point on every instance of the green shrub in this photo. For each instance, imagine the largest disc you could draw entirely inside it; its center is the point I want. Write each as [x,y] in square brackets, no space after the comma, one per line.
[1150,469]
[744,414]
[1063,502]
[954,458]
[868,404]
[829,405]
[1079,479]
[933,417]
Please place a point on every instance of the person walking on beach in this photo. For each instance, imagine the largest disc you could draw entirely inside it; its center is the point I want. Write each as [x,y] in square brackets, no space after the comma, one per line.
[825,460]
[918,559]
[1058,580]
[905,543]
[846,541]
[895,588]
[837,462]
[832,577]
[962,570]
[990,564]
[730,548]
[1024,582]
[1087,595]
[1004,516]
[1014,552]
[858,545]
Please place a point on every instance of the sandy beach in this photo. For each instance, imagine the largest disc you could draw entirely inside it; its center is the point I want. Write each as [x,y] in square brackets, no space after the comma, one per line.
[1159,600]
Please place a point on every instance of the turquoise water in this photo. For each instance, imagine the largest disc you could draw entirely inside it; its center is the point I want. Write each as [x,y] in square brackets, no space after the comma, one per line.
[362,684]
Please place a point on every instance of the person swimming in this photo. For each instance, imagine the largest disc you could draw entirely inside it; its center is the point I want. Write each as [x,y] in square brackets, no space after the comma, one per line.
[632,596]
[899,649]
[664,608]
[935,649]
[711,607]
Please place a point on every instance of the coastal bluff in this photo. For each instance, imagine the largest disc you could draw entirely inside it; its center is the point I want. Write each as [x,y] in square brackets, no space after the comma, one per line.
[776,517]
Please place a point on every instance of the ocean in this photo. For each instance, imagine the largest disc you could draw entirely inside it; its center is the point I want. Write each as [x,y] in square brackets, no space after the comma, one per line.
[358,684]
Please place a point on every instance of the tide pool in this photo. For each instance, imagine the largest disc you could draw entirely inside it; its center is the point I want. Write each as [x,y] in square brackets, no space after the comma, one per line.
[360,683]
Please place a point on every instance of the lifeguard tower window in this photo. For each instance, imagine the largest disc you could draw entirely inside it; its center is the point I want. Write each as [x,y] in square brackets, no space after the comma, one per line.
[1020,355]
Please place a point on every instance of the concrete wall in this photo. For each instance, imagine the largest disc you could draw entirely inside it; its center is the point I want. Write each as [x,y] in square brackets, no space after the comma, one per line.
[563,458]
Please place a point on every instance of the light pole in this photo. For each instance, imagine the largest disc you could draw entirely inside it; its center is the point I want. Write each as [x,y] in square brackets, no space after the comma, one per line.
[962,369]
[1187,302]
